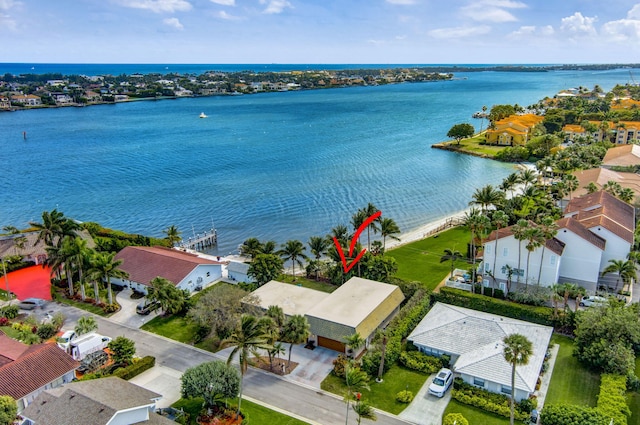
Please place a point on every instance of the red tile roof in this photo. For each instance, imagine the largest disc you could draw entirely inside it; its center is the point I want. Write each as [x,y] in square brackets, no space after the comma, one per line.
[146,263]
[554,245]
[579,229]
[35,367]
[603,209]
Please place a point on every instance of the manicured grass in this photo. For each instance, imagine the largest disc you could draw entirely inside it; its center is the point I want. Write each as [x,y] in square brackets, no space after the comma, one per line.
[473,146]
[571,382]
[474,415]
[254,413]
[420,260]
[178,328]
[308,283]
[382,395]
[633,400]
[10,332]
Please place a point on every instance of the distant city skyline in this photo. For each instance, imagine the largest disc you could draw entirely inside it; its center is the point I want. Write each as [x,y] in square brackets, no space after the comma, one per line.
[320,31]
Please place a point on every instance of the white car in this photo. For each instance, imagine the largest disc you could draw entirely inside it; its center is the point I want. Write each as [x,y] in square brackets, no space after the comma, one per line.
[66,339]
[593,300]
[441,383]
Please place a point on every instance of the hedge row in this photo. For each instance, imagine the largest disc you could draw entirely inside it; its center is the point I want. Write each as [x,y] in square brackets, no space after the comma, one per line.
[486,404]
[539,315]
[571,414]
[421,362]
[612,402]
[136,368]
[489,401]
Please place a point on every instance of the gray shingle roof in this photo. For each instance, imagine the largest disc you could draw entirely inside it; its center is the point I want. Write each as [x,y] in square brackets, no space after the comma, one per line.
[476,337]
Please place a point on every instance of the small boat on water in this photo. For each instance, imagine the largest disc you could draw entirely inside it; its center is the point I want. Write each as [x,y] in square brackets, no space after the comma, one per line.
[203,115]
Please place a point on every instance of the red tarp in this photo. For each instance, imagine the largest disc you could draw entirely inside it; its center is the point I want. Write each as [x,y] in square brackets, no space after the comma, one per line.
[32,282]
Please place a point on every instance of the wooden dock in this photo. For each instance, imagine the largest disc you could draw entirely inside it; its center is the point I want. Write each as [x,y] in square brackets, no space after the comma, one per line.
[199,242]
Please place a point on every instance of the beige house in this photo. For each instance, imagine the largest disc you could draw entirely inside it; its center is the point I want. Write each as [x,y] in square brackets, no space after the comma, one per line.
[622,156]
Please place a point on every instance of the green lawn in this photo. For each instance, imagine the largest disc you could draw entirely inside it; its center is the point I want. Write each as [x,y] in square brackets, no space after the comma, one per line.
[474,415]
[308,283]
[254,413]
[178,328]
[571,382]
[10,332]
[79,304]
[633,400]
[420,260]
[382,395]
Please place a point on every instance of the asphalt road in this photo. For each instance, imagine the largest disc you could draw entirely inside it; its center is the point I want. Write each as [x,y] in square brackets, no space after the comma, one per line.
[313,404]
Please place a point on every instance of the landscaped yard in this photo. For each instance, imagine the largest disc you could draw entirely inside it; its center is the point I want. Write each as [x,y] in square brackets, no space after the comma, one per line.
[308,283]
[474,415]
[473,146]
[178,328]
[382,395]
[420,260]
[255,413]
[571,382]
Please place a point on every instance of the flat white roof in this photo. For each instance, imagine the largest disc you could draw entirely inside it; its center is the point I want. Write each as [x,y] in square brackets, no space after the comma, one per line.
[354,301]
[292,299]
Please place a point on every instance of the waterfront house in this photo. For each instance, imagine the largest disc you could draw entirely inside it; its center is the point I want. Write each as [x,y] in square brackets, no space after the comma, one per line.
[185,270]
[26,99]
[4,102]
[602,176]
[31,248]
[238,271]
[621,132]
[513,130]
[474,340]
[105,401]
[28,370]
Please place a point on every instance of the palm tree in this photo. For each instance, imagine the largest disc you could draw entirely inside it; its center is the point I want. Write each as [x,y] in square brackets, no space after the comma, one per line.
[358,219]
[517,350]
[485,197]
[364,411]
[571,183]
[627,195]
[293,250]
[85,325]
[275,312]
[357,381]
[341,233]
[452,255]
[591,187]
[173,235]
[535,240]
[354,342]
[318,246]
[548,229]
[527,177]
[54,227]
[510,183]
[59,257]
[77,254]
[519,233]
[103,267]
[612,187]
[250,247]
[475,222]
[295,331]
[246,339]
[500,220]
[272,333]
[624,268]
[388,228]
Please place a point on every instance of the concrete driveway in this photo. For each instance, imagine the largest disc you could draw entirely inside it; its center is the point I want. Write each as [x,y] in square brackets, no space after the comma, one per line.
[426,409]
[127,314]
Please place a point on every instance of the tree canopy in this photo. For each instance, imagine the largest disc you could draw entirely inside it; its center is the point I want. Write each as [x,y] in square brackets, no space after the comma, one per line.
[265,267]
[461,131]
[213,381]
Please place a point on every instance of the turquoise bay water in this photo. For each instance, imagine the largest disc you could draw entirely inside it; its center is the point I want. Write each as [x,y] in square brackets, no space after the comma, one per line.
[274,166]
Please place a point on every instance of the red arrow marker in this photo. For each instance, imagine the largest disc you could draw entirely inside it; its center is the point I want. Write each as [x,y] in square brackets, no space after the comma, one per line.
[363,226]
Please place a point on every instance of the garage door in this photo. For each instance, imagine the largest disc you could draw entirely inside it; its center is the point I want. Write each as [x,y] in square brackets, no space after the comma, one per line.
[331,344]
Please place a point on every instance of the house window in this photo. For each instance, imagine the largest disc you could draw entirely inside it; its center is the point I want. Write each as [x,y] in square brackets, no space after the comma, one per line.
[553,260]
[487,267]
[478,382]
[487,249]
[505,252]
[505,389]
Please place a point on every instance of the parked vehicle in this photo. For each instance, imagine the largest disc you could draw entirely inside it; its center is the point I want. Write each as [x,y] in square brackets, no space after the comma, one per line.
[441,383]
[593,300]
[146,307]
[93,361]
[31,303]
[66,338]
[87,344]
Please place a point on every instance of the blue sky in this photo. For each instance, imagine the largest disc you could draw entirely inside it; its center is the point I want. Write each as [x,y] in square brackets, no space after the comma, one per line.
[320,31]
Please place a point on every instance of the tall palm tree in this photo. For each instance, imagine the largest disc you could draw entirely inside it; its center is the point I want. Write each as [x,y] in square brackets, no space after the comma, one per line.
[370,210]
[527,177]
[625,270]
[77,253]
[318,246]
[357,381]
[535,240]
[54,227]
[250,247]
[452,255]
[341,233]
[500,220]
[293,250]
[612,187]
[476,223]
[591,187]
[485,197]
[357,219]
[517,350]
[59,257]
[519,233]
[104,267]
[388,228]
[275,312]
[173,235]
[355,342]
[510,183]
[548,229]
[571,183]
[247,338]
[364,411]
[295,331]
[627,195]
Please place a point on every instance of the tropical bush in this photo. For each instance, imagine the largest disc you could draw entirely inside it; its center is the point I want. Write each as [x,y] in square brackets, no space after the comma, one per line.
[455,418]
[421,362]
[611,399]
[9,311]
[565,414]
[486,400]
[136,368]
[404,396]
[46,331]
[531,295]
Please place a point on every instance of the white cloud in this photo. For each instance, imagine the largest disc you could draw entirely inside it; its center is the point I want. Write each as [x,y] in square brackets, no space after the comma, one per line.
[459,32]
[624,29]
[173,23]
[532,30]
[224,2]
[275,6]
[224,15]
[157,6]
[7,22]
[402,2]
[7,4]
[492,10]
[634,13]
[579,25]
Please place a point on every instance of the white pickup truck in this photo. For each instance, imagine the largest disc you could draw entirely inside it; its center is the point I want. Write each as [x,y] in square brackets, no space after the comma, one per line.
[85,344]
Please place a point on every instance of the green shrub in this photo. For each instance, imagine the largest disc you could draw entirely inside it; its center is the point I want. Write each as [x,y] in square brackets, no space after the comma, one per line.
[539,315]
[455,418]
[499,404]
[340,365]
[611,399]
[46,331]
[564,414]
[421,362]
[404,396]
[9,311]
[136,368]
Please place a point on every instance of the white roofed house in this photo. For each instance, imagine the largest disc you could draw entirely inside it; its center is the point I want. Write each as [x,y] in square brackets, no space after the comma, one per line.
[238,272]
[474,340]
[511,261]
[183,269]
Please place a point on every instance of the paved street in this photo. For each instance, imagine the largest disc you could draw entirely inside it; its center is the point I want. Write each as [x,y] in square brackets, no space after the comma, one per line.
[173,358]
